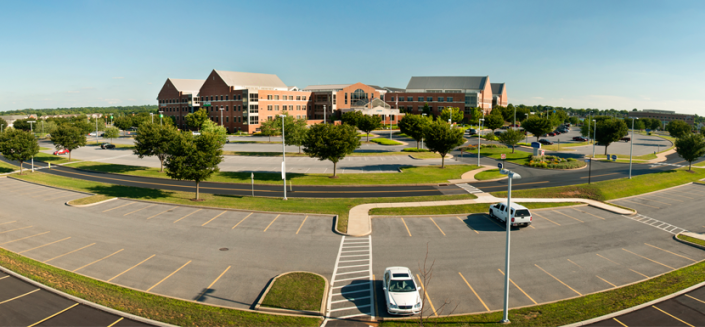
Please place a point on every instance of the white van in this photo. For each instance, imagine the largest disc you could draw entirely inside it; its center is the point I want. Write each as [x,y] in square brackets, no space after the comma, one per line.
[521,215]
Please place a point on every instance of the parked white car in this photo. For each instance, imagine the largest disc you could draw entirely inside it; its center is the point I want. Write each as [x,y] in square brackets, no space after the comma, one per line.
[521,216]
[401,291]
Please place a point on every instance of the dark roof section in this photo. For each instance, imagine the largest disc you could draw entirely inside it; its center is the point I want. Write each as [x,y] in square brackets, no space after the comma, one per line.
[497,88]
[394,89]
[447,82]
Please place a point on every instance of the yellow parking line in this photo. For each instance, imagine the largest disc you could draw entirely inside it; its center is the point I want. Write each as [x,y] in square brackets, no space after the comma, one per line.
[167,210]
[140,209]
[407,227]
[243,219]
[654,261]
[554,277]
[588,213]
[165,278]
[52,316]
[621,264]
[469,225]
[687,197]
[517,286]
[118,207]
[546,218]
[270,224]
[651,200]
[600,175]
[213,283]
[696,299]
[678,255]
[302,225]
[37,196]
[19,296]
[672,316]
[69,253]
[128,269]
[439,228]
[8,222]
[220,214]
[175,221]
[116,321]
[473,291]
[663,197]
[621,323]
[41,246]
[639,273]
[604,280]
[23,238]
[59,197]
[646,205]
[12,230]
[105,257]
[36,192]
[575,263]
[427,297]
[568,216]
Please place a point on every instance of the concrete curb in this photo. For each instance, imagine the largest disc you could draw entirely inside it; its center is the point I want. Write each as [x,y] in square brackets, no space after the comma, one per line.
[88,205]
[84,302]
[321,312]
[54,187]
[228,209]
[693,235]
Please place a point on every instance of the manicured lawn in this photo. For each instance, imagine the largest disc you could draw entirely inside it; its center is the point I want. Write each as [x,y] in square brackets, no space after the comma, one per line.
[518,157]
[339,207]
[296,291]
[414,150]
[7,168]
[164,309]
[691,239]
[366,135]
[489,174]
[427,155]
[52,158]
[402,135]
[90,199]
[613,189]
[258,142]
[262,154]
[117,146]
[409,175]
[626,156]
[385,141]
[563,146]
[700,164]
[457,209]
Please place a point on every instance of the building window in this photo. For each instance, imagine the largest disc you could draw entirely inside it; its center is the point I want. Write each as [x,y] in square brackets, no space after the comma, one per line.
[254,108]
[392,98]
[440,99]
[269,97]
[298,98]
[269,107]
[298,108]
[226,98]
[221,98]
[334,96]
[291,97]
[254,120]
[420,99]
[358,95]
[254,97]
[429,99]
[276,107]
[269,118]
[449,99]
[346,98]
[303,98]
[276,97]
[409,99]
[227,119]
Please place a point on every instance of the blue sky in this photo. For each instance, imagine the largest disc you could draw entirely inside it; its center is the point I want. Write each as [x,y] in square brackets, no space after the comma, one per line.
[581,54]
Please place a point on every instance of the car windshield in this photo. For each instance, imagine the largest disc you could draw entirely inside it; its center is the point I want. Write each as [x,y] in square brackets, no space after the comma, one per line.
[402,285]
[522,213]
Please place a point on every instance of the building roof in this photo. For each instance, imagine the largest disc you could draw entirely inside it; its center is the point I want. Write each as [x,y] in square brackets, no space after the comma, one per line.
[394,89]
[13,117]
[326,87]
[497,88]
[187,86]
[447,82]
[245,80]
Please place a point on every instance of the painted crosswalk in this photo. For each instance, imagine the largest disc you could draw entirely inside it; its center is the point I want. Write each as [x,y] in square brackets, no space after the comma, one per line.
[471,189]
[657,224]
[351,292]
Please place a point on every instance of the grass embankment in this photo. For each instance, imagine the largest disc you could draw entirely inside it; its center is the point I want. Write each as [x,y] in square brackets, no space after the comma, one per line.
[590,306]
[457,209]
[409,175]
[117,146]
[296,154]
[488,174]
[518,157]
[366,135]
[52,158]
[339,207]
[691,239]
[385,141]
[414,150]
[7,168]
[429,155]
[613,189]
[257,142]
[90,199]
[168,310]
[296,291]
[563,146]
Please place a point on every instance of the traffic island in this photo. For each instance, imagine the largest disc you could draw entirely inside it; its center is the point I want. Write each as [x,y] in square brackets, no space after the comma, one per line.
[297,292]
[90,200]
[696,240]
[555,162]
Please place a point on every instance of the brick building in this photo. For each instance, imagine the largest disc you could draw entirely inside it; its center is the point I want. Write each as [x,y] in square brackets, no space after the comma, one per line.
[664,116]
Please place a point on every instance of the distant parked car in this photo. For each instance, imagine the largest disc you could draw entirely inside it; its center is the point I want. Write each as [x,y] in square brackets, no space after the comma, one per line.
[92,134]
[107,146]
[545,142]
[552,134]
[626,139]
[472,131]
[498,133]
[580,139]
[58,152]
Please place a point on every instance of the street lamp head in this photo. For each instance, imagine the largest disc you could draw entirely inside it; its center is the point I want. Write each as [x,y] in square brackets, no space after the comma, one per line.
[282,116]
[482,119]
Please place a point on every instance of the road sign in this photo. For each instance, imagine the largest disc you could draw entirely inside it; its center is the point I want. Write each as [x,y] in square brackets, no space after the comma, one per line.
[648,130]
[504,156]
[543,153]
[536,145]
[614,157]
[500,166]
[587,160]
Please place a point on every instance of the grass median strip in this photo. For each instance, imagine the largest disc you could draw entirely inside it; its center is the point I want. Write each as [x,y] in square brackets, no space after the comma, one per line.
[90,199]
[385,141]
[296,291]
[339,207]
[7,168]
[458,209]
[691,239]
[489,174]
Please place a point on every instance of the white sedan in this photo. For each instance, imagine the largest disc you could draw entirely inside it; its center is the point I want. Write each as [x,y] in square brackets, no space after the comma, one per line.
[401,291]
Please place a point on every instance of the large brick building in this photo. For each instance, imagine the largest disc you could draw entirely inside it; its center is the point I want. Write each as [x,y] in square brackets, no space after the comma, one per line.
[665,116]
[241,101]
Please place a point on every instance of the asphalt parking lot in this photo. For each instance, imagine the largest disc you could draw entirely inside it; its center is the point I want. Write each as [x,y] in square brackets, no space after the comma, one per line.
[213,256]
[567,252]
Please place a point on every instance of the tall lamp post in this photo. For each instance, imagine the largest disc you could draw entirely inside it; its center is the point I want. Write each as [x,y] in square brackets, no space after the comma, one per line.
[151,114]
[283,156]
[594,137]
[96,129]
[479,137]
[324,113]
[31,122]
[508,219]
[1,126]
[161,114]
[631,149]
[424,115]
[221,117]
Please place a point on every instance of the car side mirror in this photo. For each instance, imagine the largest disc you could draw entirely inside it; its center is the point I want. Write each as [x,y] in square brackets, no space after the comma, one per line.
[418,288]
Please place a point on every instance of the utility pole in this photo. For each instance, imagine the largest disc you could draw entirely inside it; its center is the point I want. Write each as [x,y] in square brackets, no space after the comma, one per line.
[508,219]
[283,156]
[324,114]
[31,122]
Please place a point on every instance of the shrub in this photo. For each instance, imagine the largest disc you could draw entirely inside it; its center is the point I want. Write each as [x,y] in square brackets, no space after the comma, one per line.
[554,162]
[414,150]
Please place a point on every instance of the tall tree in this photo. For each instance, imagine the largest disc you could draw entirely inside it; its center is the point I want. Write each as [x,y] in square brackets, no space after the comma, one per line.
[269,128]
[442,138]
[22,124]
[457,114]
[426,109]
[494,121]
[112,133]
[678,128]
[690,147]
[3,123]
[331,142]
[414,126]
[296,131]
[68,137]
[154,140]
[475,115]
[368,124]
[351,117]
[210,126]
[123,123]
[194,158]
[511,137]
[610,130]
[18,145]
[537,125]
[196,119]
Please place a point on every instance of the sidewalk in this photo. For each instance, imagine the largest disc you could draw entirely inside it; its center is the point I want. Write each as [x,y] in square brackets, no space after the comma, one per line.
[360,222]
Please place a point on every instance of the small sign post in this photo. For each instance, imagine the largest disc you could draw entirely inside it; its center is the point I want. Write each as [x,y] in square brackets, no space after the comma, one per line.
[614,157]
[252,177]
[500,165]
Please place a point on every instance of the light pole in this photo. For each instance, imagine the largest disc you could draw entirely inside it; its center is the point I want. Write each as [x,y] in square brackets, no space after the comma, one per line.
[424,115]
[161,114]
[31,122]
[151,115]
[324,113]
[479,136]
[283,156]
[96,130]
[515,118]
[594,138]
[631,149]
[508,219]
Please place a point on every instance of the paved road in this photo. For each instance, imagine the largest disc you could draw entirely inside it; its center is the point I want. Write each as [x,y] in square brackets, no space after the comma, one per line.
[23,304]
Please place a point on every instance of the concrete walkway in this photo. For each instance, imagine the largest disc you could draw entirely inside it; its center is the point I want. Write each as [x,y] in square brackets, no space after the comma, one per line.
[469,177]
[661,157]
[360,222]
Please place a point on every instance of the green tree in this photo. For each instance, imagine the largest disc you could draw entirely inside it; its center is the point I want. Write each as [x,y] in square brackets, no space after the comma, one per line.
[123,123]
[18,145]
[196,119]
[47,127]
[494,121]
[331,142]
[610,130]
[210,126]
[270,128]
[414,126]
[702,131]
[537,125]
[68,137]
[655,124]
[426,109]
[22,124]
[3,123]
[678,128]
[441,138]
[112,133]
[368,124]
[690,147]
[84,126]
[296,131]
[511,137]
[456,113]
[351,117]
[573,120]
[154,140]
[194,158]
[475,115]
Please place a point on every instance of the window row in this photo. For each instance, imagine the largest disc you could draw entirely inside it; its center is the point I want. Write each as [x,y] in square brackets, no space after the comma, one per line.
[421,99]
[284,107]
[236,97]
[285,97]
